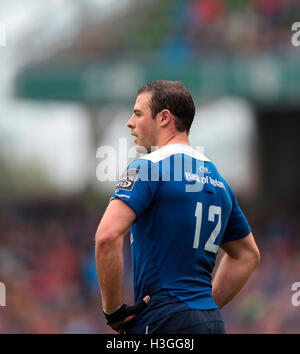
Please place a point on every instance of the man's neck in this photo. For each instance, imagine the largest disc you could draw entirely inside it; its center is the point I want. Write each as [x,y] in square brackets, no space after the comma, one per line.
[180,138]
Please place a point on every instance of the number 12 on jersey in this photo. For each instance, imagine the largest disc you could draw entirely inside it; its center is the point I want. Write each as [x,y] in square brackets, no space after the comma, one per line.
[213,210]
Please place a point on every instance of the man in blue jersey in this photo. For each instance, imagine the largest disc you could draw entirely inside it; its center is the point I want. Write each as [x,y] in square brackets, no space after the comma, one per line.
[179,211]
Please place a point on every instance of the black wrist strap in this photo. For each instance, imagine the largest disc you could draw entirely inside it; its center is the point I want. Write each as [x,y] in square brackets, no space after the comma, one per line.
[125,311]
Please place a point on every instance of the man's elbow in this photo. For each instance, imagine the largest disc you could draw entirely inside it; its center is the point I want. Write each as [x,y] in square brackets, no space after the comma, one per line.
[257,257]
[250,251]
[107,238]
[103,239]
[253,257]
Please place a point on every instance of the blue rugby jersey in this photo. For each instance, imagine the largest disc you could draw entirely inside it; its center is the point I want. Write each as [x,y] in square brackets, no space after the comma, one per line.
[185,210]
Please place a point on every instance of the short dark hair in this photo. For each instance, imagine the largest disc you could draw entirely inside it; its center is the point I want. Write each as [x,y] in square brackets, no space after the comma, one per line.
[171,95]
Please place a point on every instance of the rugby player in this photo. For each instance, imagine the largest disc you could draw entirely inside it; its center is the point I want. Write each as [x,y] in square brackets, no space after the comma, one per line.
[179,211]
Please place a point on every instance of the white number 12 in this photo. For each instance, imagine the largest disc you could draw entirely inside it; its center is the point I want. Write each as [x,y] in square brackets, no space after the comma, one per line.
[212,211]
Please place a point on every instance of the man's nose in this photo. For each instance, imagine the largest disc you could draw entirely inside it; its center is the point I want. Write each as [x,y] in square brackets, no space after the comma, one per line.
[130,122]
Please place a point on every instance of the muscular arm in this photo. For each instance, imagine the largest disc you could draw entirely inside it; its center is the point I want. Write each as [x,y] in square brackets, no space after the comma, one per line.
[110,234]
[240,259]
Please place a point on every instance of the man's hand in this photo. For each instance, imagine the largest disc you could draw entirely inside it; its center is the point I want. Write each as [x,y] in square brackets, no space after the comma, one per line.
[125,314]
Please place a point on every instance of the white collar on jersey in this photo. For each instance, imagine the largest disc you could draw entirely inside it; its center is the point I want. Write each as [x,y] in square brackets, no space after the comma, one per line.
[173,149]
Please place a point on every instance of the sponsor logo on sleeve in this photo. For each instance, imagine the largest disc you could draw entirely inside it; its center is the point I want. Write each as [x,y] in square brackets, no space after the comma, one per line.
[128,179]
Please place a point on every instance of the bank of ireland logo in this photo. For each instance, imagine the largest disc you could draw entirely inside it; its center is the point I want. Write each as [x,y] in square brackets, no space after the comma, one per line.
[203,169]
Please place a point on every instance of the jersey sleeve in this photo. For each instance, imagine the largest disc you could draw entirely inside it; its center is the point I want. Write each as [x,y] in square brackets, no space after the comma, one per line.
[136,187]
[237,225]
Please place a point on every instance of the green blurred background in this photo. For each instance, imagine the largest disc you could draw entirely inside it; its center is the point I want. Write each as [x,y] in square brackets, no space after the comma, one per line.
[69,74]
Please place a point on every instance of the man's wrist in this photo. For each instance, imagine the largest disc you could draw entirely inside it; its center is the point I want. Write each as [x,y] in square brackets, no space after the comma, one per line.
[125,311]
[110,312]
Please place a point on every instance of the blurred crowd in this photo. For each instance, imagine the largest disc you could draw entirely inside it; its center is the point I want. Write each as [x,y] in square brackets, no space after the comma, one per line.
[47,265]
[188,28]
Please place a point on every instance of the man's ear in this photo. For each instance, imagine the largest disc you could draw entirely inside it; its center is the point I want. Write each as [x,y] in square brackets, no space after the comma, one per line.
[165,117]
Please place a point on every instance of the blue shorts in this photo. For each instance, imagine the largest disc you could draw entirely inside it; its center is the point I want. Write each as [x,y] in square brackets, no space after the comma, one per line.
[189,322]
